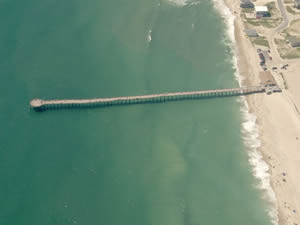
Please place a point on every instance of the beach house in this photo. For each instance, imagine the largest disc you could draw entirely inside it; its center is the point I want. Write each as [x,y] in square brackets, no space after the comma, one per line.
[262,11]
[251,32]
[246,4]
[295,41]
[297,4]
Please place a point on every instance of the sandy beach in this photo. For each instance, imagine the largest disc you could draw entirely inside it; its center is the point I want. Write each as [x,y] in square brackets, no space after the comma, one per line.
[278,118]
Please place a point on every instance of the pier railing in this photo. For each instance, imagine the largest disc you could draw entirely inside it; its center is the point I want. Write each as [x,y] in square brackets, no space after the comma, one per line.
[40,105]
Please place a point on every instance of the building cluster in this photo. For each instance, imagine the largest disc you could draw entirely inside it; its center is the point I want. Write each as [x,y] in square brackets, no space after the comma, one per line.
[263,11]
[260,11]
[246,4]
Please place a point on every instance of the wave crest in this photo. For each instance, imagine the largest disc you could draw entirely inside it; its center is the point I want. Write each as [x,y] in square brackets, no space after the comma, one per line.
[181,3]
[250,129]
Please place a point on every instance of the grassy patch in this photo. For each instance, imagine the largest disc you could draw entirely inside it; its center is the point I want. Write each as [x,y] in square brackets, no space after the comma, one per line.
[294,21]
[279,42]
[288,31]
[266,22]
[272,8]
[286,51]
[292,11]
[260,41]
[295,53]
[248,10]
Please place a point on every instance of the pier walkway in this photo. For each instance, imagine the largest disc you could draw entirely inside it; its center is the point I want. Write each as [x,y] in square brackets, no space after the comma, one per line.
[40,105]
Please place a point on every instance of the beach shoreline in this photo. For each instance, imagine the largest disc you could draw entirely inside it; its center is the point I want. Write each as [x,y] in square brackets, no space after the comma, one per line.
[278,149]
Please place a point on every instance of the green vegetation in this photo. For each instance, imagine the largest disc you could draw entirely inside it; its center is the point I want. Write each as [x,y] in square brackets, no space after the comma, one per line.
[266,22]
[294,21]
[291,28]
[286,51]
[260,41]
[248,10]
[290,10]
[279,42]
[272,8]
[293,54]
[293,11]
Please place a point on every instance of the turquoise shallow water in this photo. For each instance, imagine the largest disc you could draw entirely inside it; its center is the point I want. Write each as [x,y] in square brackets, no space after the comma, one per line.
[157,164]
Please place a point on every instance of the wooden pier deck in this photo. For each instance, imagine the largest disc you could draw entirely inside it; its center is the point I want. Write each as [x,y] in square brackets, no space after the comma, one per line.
[40,105]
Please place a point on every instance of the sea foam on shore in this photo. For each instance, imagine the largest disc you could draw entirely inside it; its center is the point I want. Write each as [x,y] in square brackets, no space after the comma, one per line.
[250,129]
[181,3]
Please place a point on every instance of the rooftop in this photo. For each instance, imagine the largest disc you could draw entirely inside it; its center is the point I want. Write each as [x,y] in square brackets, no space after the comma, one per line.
[294,39]
[251,32]
[261,9]
[247,1]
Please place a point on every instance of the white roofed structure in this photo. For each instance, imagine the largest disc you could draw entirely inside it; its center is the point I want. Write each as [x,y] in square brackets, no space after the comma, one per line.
[261,9]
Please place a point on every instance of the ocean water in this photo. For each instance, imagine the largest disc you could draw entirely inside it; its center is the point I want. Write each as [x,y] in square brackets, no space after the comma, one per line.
[177,163]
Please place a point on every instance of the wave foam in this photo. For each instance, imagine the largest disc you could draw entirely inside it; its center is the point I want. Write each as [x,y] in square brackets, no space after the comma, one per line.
[181,3]
[149,37]
[259,167]
[250,129]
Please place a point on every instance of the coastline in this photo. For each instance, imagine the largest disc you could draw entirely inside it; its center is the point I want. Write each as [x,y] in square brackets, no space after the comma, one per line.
[277,150]
[250,128]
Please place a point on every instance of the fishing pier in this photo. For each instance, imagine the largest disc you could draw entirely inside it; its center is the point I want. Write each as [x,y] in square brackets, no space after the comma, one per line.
[41,105]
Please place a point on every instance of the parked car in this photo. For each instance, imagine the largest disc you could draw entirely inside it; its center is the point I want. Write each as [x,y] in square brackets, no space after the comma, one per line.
[261,56]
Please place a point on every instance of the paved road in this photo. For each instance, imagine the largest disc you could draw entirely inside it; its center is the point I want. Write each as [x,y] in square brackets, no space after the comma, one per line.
[285,22]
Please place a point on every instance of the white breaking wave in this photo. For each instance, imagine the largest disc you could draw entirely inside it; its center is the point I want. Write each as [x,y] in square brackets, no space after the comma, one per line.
[181,3]
[178,2]
[149,37]
[250,129]
[259,167]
